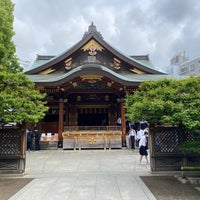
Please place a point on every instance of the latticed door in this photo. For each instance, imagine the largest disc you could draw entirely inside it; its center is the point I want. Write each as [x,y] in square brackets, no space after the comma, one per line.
[164,149]
[12,150]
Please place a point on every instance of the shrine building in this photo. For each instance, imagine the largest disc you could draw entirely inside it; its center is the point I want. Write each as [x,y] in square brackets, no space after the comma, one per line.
[86,86]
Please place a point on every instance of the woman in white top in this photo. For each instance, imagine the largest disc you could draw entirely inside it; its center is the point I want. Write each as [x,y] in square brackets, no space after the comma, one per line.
[140,133]
[143,147]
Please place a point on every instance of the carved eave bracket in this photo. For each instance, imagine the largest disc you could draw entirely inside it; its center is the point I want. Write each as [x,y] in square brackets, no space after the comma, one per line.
[117,63]
[68,64]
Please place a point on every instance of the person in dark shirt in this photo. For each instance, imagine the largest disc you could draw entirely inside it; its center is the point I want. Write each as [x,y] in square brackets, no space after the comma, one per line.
[37,139]
[29,140]
[128,126]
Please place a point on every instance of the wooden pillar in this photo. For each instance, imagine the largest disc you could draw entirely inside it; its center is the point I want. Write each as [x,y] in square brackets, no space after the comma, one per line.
[60,123]
[123,125]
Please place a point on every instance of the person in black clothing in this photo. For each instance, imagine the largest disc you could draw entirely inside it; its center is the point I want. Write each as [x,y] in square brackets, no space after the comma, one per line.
[37,139]
[128,126]
[29,140]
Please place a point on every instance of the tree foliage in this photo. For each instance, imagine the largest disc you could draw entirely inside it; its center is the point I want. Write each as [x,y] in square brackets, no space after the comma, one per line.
[167,101]
[8,59]
[19,101]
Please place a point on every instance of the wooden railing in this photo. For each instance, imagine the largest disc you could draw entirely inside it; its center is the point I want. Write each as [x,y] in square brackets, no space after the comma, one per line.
[106,137]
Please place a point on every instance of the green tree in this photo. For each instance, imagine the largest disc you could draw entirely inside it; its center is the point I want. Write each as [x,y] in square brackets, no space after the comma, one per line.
[19,101]
[168,101]
[8,59]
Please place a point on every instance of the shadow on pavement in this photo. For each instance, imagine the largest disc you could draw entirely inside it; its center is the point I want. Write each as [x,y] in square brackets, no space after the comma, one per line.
[169,188]
[9,186]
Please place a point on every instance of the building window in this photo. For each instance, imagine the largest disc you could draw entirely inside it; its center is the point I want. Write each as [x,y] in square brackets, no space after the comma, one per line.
[192,67]
[184,70]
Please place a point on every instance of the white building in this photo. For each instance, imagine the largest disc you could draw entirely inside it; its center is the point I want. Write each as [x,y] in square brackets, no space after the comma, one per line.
[181,65]
[172,70]
[190,67]
[179,58]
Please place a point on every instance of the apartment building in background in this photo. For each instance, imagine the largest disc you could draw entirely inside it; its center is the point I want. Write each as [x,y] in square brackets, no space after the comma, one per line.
[181,65]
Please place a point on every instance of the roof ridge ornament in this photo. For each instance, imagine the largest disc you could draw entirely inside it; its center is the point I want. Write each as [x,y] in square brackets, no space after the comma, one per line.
[92,30]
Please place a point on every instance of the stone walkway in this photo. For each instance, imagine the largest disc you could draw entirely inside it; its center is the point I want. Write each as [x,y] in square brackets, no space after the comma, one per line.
[85,175]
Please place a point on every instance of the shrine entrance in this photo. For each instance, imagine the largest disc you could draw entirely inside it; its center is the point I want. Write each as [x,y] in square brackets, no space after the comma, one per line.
[93,115]
[92,119]
[86,87]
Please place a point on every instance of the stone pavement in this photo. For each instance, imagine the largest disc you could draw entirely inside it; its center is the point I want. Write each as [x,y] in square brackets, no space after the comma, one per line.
[85,175]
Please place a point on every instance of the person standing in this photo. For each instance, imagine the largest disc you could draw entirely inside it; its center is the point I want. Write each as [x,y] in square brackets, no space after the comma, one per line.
[140,133]
[132,136]
[29,140]
[143,147]
[37,139]
[128,126]
[119,121]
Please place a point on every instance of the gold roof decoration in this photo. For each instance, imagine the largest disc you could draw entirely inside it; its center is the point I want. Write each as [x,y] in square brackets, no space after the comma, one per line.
[39,87]
[90,78]
[74,84]
[92,46]
[109,84]
[68,64]
[47,71]
[137,71]
[117,63]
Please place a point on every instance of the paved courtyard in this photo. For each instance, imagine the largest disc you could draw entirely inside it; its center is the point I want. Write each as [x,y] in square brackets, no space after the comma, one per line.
[85,175]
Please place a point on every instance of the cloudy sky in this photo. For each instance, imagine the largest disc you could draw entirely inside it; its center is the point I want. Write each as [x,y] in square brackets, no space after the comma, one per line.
[160,28]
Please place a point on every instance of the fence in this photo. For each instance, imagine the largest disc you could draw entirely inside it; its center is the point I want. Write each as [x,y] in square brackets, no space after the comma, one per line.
[12,151]
[164,148]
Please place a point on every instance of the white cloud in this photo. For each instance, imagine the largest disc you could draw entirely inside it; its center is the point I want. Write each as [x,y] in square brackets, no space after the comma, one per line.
[157,28]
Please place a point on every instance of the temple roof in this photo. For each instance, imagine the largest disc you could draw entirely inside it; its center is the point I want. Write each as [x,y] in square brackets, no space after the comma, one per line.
[92,54]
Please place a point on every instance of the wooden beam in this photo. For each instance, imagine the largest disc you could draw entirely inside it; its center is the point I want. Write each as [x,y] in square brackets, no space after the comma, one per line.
[123,125]
[60,123]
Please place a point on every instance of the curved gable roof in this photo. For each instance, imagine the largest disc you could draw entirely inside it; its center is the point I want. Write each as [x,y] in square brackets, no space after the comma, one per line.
[95,69]
[89,35]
